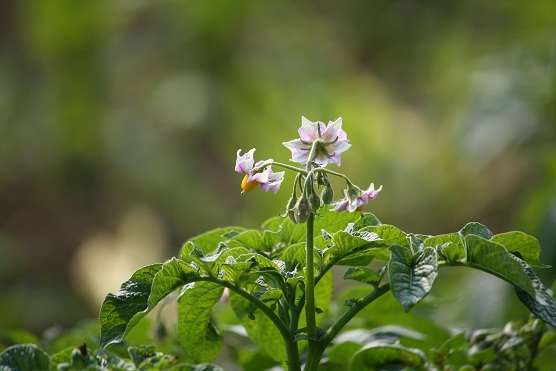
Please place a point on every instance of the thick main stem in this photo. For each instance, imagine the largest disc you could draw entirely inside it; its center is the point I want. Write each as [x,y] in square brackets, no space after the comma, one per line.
[310,285]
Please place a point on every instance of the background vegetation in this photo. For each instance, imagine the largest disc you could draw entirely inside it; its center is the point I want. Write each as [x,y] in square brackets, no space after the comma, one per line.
[120,120]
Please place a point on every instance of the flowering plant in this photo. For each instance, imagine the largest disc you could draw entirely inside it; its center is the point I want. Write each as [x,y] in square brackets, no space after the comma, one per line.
[279,278]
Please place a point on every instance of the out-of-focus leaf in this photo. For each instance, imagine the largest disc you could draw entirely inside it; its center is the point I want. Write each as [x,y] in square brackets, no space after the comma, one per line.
[375,355]
[24,357]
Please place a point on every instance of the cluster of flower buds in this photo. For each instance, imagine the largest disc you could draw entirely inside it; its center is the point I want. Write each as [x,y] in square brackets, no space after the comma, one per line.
[318,146]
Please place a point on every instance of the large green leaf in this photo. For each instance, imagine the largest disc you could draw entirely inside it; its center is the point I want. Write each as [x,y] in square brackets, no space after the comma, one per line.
[411,276]
[251,239]
[375,355]
[542,304]
[196,333]
[261,330]
[24,357]
[121,311]
[493,258]
[526,246]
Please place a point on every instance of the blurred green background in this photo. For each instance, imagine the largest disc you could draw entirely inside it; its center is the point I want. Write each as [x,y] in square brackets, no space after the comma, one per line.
[120,122]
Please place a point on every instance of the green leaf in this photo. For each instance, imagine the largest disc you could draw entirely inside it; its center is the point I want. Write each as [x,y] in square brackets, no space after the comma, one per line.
[24,357]
[374,355]
[526,246]
[367,220]
[118,312]
[362,274]
[449,246]
[411,277]
[197,335]
[454,343]
[137,296]
[207,242]
[345,243]
[541,304]
[476,229]
[252,240]
[261,330]
[493,258]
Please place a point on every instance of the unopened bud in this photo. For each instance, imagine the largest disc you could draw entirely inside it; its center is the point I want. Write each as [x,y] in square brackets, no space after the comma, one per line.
[301,210]
[314,201]
[290,209]
[327,195]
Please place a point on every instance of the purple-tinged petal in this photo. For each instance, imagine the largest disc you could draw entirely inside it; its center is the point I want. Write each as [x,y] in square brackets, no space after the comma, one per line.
[244,163]
[308,132]
[333,131]
[274,182]
[299,150]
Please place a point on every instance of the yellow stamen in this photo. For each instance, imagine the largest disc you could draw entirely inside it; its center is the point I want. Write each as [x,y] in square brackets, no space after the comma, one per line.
[248,186]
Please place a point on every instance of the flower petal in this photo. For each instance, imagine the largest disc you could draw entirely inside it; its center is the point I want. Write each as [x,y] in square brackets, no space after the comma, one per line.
[308,132]
[300,151]
[244,163]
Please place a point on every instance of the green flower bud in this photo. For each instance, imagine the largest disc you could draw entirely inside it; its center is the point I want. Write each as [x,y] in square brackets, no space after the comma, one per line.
[301,210]
[290,209]
[327,194]
[314,201]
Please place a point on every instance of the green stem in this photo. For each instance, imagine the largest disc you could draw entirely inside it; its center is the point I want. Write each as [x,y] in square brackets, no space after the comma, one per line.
[292,350]
[325,170]
[310,285]
[316,354]
[279,164]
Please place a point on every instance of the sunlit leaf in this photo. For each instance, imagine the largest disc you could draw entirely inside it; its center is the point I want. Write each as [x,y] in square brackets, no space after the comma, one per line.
[197,335]
[411,276]
[493,258]
[449,246]
[476,229]
[207,242]
[362,274]
[526,246]
[122,310]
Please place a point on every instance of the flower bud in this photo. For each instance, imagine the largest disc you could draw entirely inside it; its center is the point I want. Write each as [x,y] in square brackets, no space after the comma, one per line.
[314,201]
[322,179]
[327,195]
[301,210]
[290,209]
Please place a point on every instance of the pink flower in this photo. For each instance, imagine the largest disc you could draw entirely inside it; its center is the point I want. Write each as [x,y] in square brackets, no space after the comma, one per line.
[333,142]
[355,199]
[269,180]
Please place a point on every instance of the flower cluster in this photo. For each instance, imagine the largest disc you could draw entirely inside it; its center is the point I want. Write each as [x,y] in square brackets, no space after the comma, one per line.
[318,145]
[257,174]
